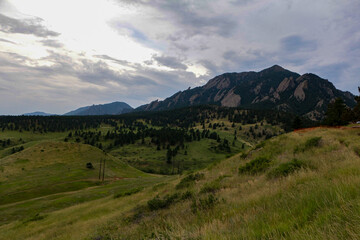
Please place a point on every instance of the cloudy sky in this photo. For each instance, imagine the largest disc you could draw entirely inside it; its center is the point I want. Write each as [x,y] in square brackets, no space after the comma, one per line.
[59,55]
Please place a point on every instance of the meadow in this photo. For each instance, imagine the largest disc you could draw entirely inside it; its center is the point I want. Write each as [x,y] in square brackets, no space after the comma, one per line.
[300,185]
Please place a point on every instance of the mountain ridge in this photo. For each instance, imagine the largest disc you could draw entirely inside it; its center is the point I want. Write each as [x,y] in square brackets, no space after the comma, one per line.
[38,113]
[272,88]
[102,109]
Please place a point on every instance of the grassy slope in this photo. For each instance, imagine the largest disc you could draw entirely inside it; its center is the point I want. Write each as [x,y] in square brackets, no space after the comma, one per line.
[33,170]
[52,175]
[199,153]
[320,201]
[147,158]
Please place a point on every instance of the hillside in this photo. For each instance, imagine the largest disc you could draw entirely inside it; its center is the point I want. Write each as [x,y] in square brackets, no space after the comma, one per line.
[300,185]
[49,167]
[272,88]
[38,114]
[102,109]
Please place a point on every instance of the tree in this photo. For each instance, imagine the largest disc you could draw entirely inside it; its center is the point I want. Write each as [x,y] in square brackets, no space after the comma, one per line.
[89,165]
[169,155]
[357,107]
[297,123]
[337,113]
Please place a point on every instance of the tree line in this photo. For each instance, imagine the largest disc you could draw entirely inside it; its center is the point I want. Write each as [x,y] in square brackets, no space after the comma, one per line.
[183,118]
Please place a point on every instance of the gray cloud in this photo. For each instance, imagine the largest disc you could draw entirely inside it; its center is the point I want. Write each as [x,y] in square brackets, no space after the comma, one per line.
[297,43]
[331,71]
[94,82]
[170,62]
[187,16]
[7,41]
[52,43]
[212,68]
[28,26]
[106,57]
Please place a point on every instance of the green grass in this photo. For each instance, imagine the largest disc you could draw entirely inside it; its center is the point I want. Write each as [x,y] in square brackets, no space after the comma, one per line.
[53,167]
[308,144]
[199,155]
[315,196]
[256,165]
[285,169]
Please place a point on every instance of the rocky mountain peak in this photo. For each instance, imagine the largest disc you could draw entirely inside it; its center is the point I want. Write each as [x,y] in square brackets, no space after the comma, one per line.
[271,88]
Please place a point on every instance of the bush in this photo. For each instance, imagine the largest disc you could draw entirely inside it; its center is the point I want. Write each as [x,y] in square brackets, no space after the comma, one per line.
[36,217]
[260,145]
[187,195]
[128,193]
[243,155]
[158,203]
[310,143]
[189,180]
[204,203]
[89,165]
[285,169]
[257,165]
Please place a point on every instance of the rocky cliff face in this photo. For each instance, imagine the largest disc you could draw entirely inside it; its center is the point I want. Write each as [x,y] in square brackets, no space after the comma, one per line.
[272,88]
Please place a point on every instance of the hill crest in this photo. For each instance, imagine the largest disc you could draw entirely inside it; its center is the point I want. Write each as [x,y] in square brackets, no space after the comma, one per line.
[102,109]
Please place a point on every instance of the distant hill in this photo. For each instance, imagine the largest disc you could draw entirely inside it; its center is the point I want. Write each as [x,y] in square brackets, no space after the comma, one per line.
[39,114]
[272,88]
[102,109]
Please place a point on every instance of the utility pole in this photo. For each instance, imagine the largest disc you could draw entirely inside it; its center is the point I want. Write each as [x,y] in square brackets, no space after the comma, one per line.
[100,169]
[103,171]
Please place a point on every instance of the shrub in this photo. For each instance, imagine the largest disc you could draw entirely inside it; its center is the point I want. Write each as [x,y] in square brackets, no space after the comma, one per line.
[89,165]
[243,155]
[158,203]
[187,195]
[257,165]
[285,169]
[260,145]
[36,217]
[128,193]
[310,143]
[204,203]
[189,180]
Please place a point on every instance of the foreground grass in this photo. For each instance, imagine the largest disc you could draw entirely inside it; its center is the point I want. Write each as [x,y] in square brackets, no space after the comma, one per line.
[316,196]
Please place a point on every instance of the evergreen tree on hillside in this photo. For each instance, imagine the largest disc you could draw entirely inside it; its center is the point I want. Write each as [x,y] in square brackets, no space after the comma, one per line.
[337,113]
[357,107]
[297,124]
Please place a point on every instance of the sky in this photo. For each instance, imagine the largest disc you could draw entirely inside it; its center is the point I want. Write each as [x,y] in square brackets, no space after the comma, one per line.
[58,55]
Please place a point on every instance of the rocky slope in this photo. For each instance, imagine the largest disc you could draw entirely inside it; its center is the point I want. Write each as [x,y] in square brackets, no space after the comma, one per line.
[272,88]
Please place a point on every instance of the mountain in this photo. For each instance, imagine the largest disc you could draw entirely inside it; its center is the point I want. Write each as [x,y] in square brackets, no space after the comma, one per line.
[272,88]
[39,114]
[102,109]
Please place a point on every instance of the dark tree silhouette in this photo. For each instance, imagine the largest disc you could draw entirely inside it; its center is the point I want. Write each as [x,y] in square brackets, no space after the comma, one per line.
[337,113]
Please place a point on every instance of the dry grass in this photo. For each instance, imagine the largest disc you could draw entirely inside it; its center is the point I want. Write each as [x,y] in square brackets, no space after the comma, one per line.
[321,201]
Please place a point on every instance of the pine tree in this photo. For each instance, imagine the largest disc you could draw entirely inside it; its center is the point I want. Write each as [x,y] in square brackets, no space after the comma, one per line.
[337,114]
[357,107]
